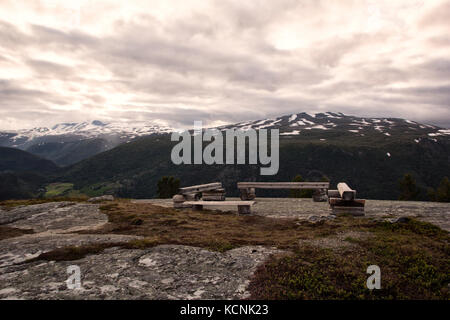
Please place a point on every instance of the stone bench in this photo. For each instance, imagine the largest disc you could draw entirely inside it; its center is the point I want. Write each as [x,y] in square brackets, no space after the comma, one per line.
[244,207]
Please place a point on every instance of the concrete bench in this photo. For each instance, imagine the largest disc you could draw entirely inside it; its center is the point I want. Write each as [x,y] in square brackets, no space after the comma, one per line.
[247,189]
[244,207]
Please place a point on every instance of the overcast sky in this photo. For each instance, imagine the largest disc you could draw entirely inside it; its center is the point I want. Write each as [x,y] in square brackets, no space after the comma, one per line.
[222,61]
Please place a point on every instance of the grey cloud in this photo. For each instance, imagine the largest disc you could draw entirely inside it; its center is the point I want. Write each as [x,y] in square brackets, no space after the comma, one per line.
[220,65]
[329,53]
[12,93]
[178,116]
[43,36]
[440,41]
[241,15]
[142,50]
[186,60]
[434,69]
[15,98]
[436,95]
[438,16]
[47,68]
[12,37]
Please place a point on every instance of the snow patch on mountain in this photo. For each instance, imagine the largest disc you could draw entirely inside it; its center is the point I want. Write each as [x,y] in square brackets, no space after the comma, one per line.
[269,124]
[307,121]
[294,132]
[95,128]
[321,127]
[331,115]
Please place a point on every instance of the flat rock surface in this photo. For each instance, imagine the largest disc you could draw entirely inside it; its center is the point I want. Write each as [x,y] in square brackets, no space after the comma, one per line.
[437,213]
[55,217]
[162,272]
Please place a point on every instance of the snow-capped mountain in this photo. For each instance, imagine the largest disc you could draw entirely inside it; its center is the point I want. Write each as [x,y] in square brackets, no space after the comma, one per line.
[92,129]
[305,123]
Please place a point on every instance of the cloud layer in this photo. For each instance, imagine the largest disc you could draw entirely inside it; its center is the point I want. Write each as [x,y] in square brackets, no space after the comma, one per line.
[222,61]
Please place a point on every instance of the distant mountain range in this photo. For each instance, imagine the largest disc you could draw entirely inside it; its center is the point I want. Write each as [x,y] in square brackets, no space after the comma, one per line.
[371,154]
[68,143]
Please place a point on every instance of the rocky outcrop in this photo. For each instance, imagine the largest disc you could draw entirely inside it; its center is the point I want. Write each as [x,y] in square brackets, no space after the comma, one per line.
[56,217]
